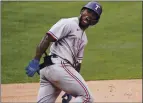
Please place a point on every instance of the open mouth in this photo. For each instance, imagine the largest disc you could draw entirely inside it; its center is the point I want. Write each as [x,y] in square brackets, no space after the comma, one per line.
[86,21]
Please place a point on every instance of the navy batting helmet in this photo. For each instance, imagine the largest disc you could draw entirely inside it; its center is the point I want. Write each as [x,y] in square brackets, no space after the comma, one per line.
[96,7]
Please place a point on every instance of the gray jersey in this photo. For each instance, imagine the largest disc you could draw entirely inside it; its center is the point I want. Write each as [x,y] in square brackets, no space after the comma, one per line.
[71,40]
[70,43]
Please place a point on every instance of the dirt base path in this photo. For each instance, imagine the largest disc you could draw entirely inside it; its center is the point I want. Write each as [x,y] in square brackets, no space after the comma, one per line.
[103,91]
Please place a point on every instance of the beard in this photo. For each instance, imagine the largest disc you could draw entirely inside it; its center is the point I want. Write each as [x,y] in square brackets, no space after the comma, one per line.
[82,24]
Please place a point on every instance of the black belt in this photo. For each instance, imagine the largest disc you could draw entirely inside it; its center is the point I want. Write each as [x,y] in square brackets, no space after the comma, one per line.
[56,56]
[48,61]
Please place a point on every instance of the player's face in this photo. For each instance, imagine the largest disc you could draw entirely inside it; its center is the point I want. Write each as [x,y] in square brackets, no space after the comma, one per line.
[88,17]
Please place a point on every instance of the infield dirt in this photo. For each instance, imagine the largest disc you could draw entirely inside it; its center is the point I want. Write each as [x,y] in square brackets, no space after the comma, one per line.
[103,91]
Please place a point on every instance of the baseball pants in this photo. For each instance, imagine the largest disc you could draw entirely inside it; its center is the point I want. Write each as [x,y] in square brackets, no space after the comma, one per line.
[61,76]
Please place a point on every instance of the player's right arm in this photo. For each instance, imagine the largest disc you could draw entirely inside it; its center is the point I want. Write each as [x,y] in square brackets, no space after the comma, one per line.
[59,30]
[43,46]
[33,66]
[56,32]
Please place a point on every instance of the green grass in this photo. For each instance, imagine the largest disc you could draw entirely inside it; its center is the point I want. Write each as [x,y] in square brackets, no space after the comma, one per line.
[114,45]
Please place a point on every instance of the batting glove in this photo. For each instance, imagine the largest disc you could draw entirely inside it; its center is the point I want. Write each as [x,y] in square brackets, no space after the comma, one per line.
[32,68]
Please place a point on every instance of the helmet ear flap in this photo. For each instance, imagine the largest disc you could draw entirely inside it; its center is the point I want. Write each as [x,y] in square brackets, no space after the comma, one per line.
[94,23]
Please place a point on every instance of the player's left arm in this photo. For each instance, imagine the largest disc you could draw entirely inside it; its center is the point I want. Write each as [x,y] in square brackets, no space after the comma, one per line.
[80,58]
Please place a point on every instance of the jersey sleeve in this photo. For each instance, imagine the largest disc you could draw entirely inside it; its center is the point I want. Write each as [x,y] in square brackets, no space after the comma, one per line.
[59,30]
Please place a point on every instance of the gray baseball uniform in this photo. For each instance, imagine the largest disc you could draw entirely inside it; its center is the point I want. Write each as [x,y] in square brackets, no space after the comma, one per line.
[69,49]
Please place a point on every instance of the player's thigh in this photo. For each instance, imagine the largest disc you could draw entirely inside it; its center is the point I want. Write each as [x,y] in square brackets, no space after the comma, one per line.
[68,79]
[74,82]
[47,92]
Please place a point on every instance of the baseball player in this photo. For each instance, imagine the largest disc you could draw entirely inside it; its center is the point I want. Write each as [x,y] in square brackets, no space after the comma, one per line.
[60,70]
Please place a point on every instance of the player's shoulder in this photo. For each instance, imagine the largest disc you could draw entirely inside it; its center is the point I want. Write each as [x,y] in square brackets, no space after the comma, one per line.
[70,21]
